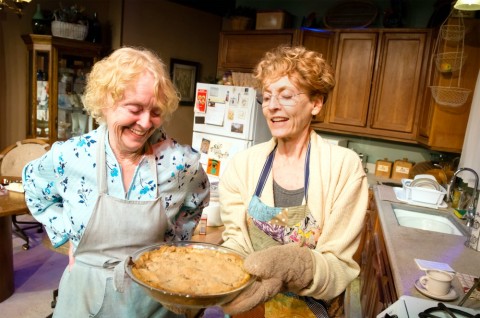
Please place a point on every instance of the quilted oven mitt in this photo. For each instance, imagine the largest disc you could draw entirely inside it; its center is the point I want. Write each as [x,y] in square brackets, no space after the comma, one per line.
[287,267]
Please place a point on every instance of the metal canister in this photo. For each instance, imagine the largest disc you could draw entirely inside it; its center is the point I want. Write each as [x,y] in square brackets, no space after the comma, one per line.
[363,158]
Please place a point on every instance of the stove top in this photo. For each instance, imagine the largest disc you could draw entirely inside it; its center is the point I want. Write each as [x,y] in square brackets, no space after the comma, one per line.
[411,307]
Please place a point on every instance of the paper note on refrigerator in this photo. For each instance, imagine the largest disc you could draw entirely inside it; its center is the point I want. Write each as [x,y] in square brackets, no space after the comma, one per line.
[219,150]
[215,113]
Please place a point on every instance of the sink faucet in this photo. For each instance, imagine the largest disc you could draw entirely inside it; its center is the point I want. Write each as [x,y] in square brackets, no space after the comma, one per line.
[472,206]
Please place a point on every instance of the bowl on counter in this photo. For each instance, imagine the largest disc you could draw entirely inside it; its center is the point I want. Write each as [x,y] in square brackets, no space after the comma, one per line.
[186,300]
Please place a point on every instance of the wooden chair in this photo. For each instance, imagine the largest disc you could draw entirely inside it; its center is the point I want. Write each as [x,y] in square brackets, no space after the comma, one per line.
[12,160]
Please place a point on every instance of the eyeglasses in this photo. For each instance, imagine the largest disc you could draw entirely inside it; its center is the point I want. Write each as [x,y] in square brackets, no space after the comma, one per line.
[285,98]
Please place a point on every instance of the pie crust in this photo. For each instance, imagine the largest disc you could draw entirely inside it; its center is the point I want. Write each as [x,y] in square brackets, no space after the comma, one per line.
[189,270]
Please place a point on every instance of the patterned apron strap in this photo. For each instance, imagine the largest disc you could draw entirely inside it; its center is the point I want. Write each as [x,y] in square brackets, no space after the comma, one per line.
[267,167]
[307,172]
[318,307]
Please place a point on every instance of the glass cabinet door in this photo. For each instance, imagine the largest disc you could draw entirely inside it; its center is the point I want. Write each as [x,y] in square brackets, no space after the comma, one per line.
[72,119]
[58,69]
[40,110]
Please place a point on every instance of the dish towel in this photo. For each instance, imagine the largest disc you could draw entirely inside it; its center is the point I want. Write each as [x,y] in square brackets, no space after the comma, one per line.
[467,282]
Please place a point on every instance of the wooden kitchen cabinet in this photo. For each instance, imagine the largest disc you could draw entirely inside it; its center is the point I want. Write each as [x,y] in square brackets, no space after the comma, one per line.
[380,76]
[377,289]
[443,128]
[57,68]
[322,41]
[240,51]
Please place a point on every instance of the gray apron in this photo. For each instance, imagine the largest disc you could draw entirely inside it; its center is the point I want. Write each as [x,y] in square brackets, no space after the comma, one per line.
[96,285]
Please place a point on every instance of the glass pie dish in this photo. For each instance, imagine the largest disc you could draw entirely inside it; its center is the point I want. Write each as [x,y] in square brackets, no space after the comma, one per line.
[182,299]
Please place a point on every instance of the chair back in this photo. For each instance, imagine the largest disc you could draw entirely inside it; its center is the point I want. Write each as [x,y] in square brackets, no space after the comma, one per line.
[16,156]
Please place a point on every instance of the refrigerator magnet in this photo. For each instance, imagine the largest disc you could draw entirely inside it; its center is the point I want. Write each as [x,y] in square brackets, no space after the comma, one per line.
[201,104]
[237,128]
[231,114]
[205,145]
[213,167]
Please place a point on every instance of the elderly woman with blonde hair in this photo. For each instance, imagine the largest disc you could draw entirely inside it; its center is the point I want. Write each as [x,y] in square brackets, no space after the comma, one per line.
[118,188]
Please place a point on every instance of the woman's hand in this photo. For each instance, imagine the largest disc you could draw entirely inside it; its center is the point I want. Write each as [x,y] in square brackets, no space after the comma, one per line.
[71,258]
[287,267]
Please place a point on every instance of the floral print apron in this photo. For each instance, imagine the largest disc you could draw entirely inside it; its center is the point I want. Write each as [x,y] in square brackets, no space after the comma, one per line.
[96,285]
[269,226]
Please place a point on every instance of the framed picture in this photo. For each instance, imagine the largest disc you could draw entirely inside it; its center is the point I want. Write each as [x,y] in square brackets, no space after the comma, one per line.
[184,77]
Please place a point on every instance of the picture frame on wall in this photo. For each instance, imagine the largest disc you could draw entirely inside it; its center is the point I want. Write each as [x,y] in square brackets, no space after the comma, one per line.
[184,76]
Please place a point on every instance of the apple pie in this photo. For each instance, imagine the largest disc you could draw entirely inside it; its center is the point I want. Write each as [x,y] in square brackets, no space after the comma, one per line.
[192,271]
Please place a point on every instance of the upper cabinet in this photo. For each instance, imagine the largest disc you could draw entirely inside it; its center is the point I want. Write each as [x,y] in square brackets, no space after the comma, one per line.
[380,83]
[382,80]
[240,51]
[57,71]
[321,41]
[354,64]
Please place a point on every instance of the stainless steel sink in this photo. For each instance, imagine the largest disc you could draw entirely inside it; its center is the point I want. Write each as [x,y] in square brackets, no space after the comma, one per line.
[428,220]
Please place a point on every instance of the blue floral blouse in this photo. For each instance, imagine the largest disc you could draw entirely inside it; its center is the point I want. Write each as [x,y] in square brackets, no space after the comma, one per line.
[61,187]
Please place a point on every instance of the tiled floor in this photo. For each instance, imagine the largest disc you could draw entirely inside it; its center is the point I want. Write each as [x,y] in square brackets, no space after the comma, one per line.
[37,274]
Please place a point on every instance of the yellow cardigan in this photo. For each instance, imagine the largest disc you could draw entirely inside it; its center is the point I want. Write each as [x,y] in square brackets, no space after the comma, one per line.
[337,198]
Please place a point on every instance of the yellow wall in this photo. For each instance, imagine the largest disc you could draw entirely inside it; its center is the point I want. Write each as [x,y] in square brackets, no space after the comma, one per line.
[179,32]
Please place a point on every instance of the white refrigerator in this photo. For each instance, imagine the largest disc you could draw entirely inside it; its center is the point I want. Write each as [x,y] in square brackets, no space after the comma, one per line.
[227,119]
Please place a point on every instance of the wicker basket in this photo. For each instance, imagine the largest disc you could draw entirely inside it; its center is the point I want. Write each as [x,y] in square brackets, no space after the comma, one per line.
[69,30]
[450,62]
[450,96]
[452,32]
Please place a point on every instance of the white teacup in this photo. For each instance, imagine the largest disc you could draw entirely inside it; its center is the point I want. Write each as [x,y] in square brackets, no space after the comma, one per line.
[437,282]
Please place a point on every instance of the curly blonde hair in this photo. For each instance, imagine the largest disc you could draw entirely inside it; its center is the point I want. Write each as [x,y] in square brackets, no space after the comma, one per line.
[306,69]
[110,77]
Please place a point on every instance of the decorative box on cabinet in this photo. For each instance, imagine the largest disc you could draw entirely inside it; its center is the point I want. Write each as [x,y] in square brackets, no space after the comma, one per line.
[380,78]
[57,68]
[442,128]
[240,51]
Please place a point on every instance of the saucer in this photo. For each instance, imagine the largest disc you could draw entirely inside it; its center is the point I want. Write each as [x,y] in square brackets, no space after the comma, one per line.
[452,295]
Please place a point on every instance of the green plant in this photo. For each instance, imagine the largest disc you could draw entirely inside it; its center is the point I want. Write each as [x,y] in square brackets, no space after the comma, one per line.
[71,14]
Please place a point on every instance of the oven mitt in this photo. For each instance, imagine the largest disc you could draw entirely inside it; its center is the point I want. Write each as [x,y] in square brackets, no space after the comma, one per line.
[287,267]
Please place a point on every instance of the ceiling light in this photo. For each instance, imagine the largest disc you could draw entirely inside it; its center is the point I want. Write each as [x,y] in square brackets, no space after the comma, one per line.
[15,6]
[467,5]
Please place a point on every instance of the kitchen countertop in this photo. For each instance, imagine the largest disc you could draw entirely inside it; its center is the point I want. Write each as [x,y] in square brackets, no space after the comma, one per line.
[405,244]
[213,235]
